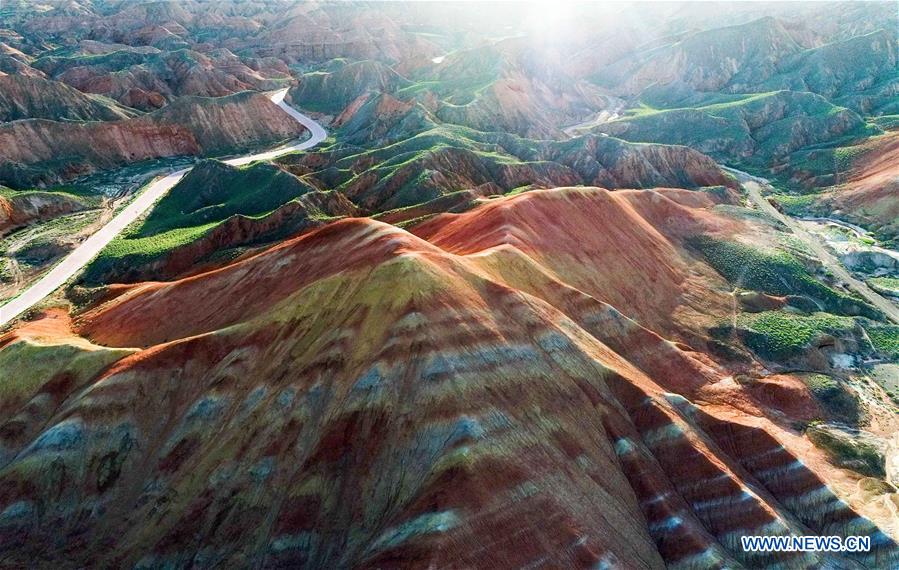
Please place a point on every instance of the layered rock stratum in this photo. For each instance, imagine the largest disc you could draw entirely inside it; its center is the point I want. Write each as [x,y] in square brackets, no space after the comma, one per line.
[489,390]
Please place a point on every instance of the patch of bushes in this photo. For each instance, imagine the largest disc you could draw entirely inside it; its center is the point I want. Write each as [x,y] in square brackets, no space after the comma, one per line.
[889,284]
[796,205]
[778,335]
[777,273]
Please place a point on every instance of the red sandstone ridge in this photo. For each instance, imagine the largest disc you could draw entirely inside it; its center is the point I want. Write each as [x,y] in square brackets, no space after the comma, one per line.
[468,396]
[620,247]
[190,126]
[870,194]
[23,97]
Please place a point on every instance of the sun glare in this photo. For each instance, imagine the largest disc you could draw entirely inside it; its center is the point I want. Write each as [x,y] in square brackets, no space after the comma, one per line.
[547,18]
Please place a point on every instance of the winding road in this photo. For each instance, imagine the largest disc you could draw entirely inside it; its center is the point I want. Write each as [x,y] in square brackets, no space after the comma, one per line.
[85,252]
[753,186]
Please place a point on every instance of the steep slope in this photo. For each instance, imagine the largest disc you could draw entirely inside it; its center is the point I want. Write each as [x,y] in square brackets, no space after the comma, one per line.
[733,58]
[28,97]
[332,91]
[19,209]
[870,192]
[216,211]
[226,124]
[412,405]
[150,79]
[861,73]
[508,86]
[761,56]
[40,150]
[379,118]
[445,159]
[760,129]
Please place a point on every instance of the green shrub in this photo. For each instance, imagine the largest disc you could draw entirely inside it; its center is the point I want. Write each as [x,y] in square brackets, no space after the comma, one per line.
[777,273]
[780,335]
[885,339]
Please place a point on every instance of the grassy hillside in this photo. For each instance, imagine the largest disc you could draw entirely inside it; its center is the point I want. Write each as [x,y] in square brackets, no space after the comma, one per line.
[213,191]
[756,128]
[261,201]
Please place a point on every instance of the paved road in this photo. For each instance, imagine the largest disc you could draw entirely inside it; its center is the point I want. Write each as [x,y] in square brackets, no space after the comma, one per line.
[754,187]
[85,252]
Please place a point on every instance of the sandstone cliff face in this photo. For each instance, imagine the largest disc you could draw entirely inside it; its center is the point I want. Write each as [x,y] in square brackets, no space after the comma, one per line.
[41,151]
[413,400]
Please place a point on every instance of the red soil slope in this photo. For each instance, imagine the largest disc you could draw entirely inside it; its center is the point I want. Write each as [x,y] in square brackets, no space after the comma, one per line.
[465,397]
[871,194]
[623,247]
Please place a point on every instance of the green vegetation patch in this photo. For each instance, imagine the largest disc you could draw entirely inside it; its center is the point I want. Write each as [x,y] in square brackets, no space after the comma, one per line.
[887,283]
[209,195]
[214,191]
[796,205]
[848,451]
[25,366]
[778,335]
[67,192]
[887,121]
[885,339]
[840,402]
[775,273]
